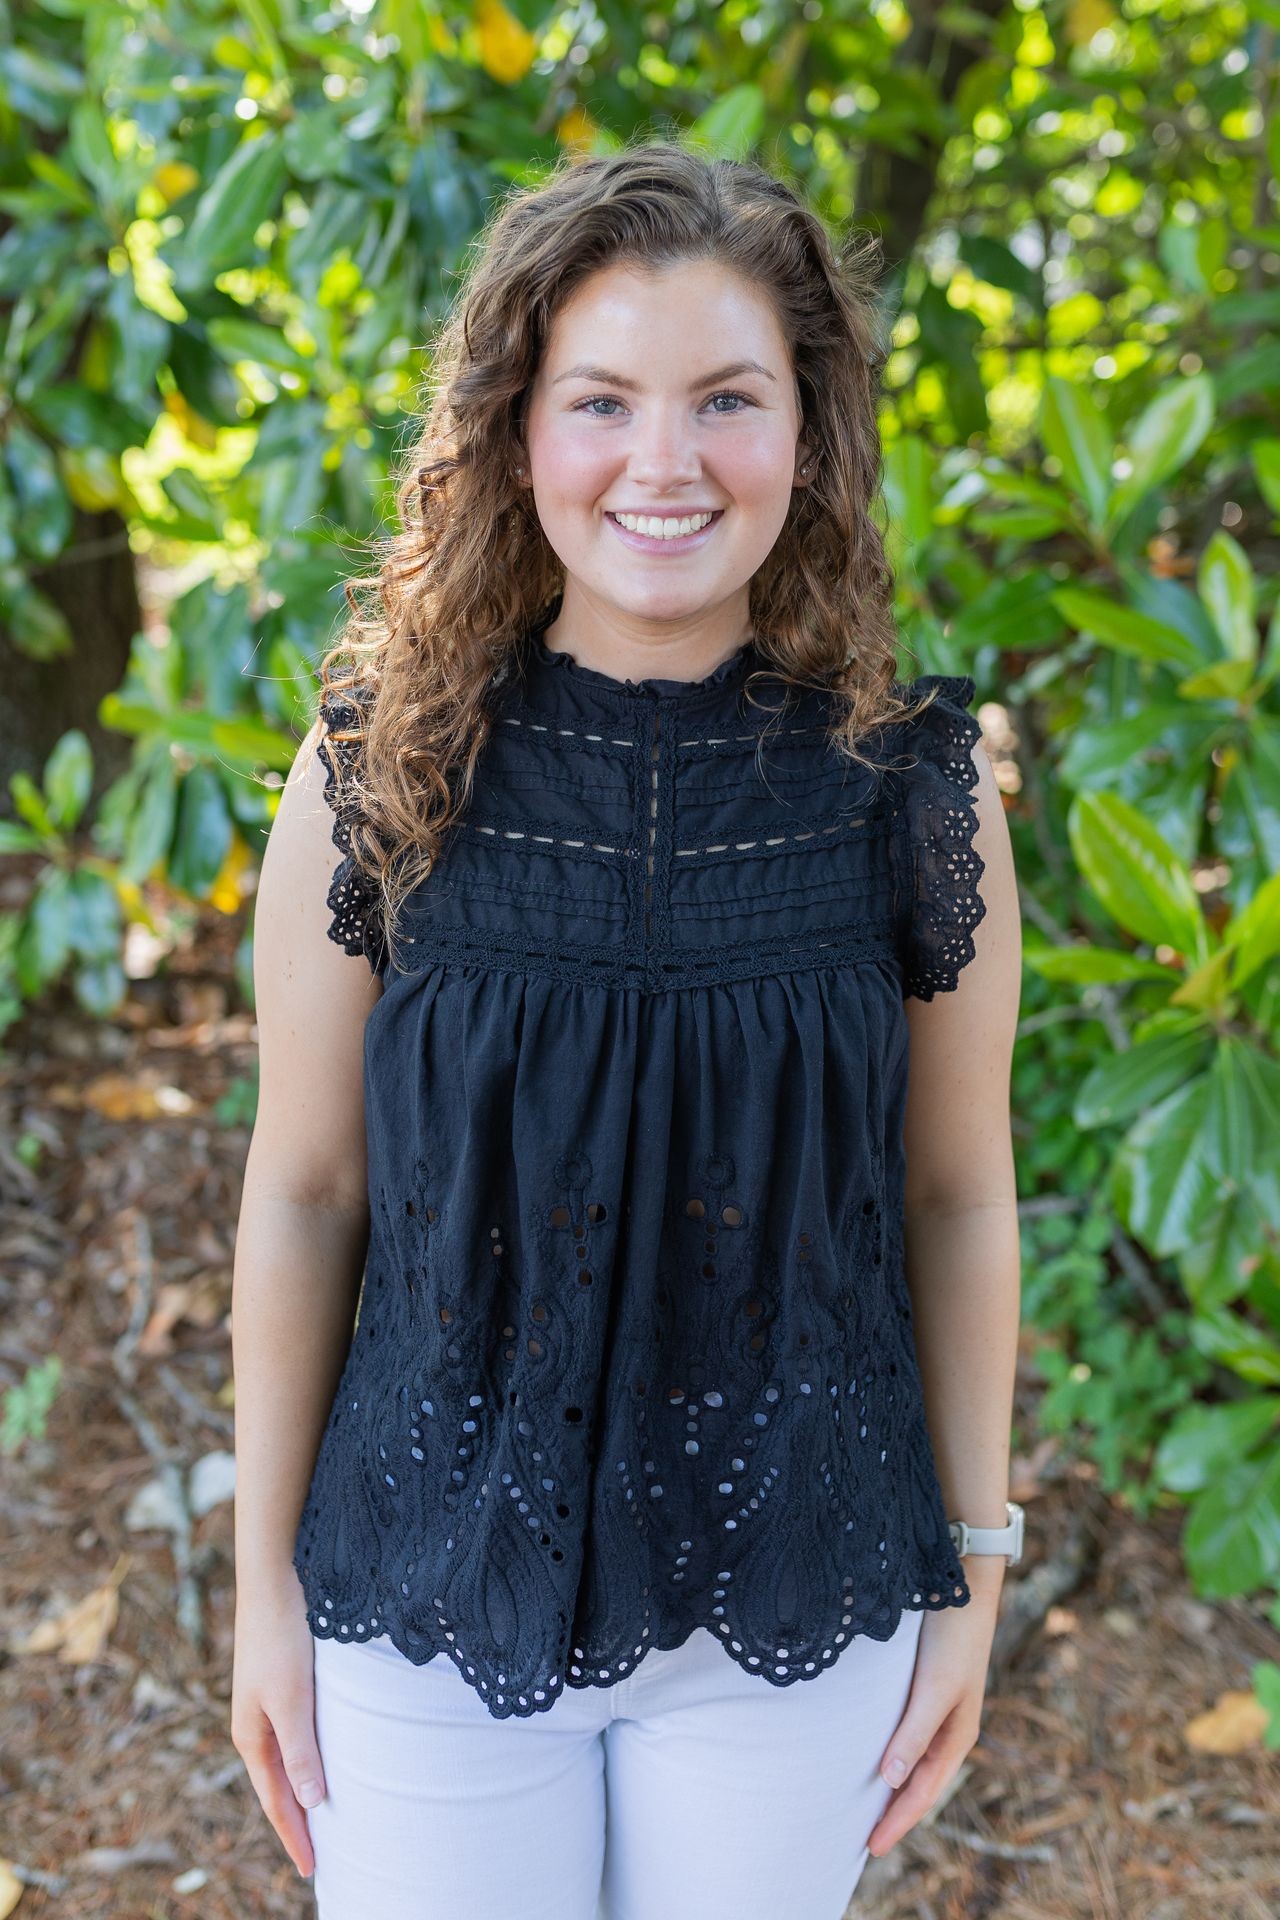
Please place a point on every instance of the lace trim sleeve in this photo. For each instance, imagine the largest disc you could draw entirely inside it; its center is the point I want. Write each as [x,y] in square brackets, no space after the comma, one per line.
[352,900]
[943,904]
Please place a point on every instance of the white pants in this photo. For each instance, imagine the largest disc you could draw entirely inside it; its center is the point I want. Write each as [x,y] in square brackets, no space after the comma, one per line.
[690,1790]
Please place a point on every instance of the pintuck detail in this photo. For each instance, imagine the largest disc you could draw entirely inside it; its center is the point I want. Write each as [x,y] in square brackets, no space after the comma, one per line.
[634,1348]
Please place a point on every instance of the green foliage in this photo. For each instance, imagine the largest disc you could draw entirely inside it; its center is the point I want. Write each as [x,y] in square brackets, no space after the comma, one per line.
[27,1405]
[71,923]
[229,236]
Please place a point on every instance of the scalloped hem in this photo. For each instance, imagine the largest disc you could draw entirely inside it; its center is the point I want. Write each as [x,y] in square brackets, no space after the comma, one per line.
[542,1697]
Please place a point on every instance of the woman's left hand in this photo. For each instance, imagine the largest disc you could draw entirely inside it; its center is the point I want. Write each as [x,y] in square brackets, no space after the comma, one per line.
[944,1709]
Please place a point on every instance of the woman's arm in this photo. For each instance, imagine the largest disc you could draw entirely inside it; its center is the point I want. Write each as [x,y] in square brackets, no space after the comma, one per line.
[961,1219]
[300,1247]
[304,1215]
[964,1278]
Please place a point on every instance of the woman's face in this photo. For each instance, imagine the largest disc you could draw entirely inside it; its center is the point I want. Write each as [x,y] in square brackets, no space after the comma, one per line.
[644,405]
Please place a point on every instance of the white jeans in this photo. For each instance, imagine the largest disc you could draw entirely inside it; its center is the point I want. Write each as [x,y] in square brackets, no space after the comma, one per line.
[690,1790]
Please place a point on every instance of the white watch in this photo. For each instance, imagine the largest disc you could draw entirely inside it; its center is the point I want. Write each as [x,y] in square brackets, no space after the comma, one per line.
[1007,1539]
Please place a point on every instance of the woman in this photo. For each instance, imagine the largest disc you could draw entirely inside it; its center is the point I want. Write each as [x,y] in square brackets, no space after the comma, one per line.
[611,1558]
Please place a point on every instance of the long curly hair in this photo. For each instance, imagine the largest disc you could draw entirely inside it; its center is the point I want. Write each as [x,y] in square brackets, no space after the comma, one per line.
[453,592]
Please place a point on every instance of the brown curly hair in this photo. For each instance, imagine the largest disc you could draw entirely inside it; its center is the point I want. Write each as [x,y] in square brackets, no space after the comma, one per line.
[471,572]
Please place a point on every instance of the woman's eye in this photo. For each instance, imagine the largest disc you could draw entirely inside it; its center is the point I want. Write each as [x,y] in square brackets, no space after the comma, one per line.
[611,400]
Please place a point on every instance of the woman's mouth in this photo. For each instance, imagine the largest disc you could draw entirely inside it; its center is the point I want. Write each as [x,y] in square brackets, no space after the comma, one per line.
[665,533]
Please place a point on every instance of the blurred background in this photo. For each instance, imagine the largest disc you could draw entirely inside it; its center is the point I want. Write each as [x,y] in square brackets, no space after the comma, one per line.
[228,231]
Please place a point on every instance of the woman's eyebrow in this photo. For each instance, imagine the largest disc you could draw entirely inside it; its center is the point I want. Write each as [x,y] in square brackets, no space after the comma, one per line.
[707,379]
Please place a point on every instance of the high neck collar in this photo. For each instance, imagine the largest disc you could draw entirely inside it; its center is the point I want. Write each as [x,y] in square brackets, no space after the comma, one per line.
[545,659]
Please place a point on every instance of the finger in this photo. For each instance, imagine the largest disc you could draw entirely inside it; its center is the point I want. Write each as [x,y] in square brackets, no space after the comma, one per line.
[277,1800]
[300,1756]
[911,1802]
[921,1725]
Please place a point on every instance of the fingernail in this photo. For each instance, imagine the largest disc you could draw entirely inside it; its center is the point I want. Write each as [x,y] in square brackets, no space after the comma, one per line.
[896,1772]
[310,1793]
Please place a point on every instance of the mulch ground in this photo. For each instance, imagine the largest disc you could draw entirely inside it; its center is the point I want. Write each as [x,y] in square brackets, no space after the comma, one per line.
[121,1151]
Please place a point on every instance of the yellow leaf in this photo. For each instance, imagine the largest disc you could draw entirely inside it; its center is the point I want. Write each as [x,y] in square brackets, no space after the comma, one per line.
[226,892]
[1085,18]
[439,35]
[122,1096]
[92,477]
[194,425]
[578,130]
[82,1632]
[506,48]
[174,179]
[1236,1721]
[10,1890]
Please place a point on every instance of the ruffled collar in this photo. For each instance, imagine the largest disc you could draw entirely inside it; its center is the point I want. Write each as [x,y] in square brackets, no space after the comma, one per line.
[545,659]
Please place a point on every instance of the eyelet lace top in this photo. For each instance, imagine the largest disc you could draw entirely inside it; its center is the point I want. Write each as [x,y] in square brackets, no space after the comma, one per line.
[634,1348]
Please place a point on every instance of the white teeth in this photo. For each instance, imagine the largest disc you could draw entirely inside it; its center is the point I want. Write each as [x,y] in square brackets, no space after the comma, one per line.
[662,529]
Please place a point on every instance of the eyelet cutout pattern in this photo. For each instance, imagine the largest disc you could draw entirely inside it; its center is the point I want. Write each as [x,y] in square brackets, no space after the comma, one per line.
[506,1499]
[941,821]
[351,899]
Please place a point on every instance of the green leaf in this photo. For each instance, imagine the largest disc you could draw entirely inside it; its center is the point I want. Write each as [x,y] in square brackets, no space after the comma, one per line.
[1124,629]
[1258,1074]
[36,625]
[1220,1265]
[151,825]
[1158,734]
[1170,1193]
[68,778]
[204,833]
[1242,1122]
[30,802]
[1226,680]
[1017,613]
[908,472]
[244,193]
[1204,1441]
[1232,1537]
[93,924]
[1075,431]
[988,257]
[43,516]
[1163,439]
[1128,1082]
[1019,523]
[1085,966]
[248,743]
[732,125]
[16,839]
[79,417]
[250,340]
[46,938]
[1226,588]
[1234,1342]
[1264,1677]
[1266,460]
[1254,932]
[100,987]
[1136,874]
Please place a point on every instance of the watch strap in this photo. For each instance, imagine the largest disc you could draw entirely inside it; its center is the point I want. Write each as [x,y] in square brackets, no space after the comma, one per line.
[1006,1539]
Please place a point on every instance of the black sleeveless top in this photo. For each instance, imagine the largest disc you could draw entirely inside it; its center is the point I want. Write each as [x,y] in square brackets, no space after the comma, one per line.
[634,1349]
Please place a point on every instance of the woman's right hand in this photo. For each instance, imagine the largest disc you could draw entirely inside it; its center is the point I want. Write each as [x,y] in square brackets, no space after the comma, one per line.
[273,1709]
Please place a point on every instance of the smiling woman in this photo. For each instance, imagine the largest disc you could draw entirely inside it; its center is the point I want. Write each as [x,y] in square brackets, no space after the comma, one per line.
[657,866]
[678,448]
